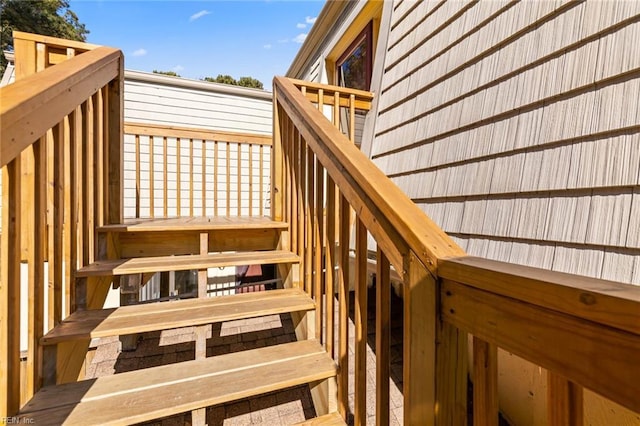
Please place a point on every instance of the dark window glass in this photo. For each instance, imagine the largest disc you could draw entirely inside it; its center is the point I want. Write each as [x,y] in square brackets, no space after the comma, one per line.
[354,66]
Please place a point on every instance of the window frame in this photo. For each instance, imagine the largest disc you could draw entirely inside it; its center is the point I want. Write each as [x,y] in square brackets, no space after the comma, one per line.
[365,35]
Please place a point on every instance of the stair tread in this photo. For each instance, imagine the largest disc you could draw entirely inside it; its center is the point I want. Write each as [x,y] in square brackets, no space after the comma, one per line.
[331,419]
[194,223]
[157,392]
[138,265]
[174,314]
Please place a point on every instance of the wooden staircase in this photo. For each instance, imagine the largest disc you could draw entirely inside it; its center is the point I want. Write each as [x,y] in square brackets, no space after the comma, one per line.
[149,246]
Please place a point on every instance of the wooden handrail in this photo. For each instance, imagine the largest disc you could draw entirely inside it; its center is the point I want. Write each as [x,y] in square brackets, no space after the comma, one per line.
[393,219]
[191,133]
[55,42]
[600,301]
[33,105]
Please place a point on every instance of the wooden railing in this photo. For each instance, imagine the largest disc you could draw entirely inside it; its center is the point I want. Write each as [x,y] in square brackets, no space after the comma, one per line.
[352,104]
[175,172]
[61,159]
[586,332]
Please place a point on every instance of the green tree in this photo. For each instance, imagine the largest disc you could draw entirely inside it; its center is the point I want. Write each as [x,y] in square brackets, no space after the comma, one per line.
[47,17]
[250,82]
[170,73]
[243,81]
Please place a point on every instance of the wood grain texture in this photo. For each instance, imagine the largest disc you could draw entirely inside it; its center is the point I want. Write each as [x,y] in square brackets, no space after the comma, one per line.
[69,84]
[605,302]
[528,331]
[485,383]
[183,263]
[565,401]
[162,391]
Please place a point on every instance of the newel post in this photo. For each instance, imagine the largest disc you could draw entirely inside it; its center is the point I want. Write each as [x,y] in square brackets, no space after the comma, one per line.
[435,353]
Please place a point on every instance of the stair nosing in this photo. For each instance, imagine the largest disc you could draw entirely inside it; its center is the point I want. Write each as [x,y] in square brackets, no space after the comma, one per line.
[208,261]
[314,353]
[298,301]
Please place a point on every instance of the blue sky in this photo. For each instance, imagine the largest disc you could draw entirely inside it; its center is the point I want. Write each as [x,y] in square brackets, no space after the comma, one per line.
[197,39]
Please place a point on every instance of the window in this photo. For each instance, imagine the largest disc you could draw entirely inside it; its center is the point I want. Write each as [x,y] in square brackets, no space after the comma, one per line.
[353,68]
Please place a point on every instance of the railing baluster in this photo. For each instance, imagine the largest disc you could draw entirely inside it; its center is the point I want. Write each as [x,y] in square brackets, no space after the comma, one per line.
[228,182]
[564,401]
[98,146]
[309,277]
[250,179]
[137,143]
[178,179]
[239,178]
[343,308]
[383,337]
[299,165]
[352,118]
[261,180]
[75,138]
[330,260]
[58,225]
[215,178]
[190,177]
[10,289]
[291,186]
[36,270]
[485,383]
[360,321]
[152,178]
[165,172]
[67,238]
[319,244]
[336,109]
[204,177]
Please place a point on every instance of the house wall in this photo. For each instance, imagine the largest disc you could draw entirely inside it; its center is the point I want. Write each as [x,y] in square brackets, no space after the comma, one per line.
[516,127]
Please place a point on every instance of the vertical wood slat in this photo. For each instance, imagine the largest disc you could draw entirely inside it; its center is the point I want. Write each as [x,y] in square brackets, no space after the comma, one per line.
[285,128]
[238,176]
[204,177]
[383,337]
[36,287]
[291,187]
[10,289]
[58,221]
[75,139]
[565,401]
[261,178]
[215,178]
[352,118]
[98,146]
[178,179]
[330,258]
[336,110]
[137,143]
[300,210]
[318,246]
[67,235]
[228,181]
[152,179]
[343,308]
[485,383]
[360,410]
[165,172]
[250,179]
[191,177]
[310,218]
[87,187]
